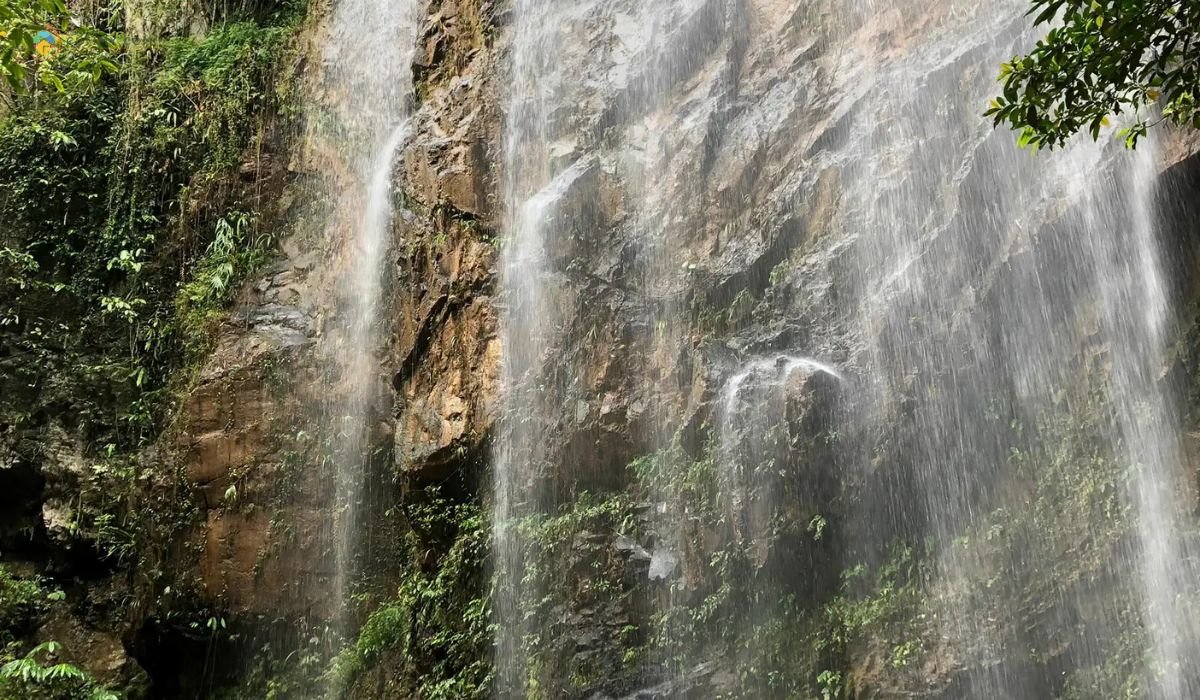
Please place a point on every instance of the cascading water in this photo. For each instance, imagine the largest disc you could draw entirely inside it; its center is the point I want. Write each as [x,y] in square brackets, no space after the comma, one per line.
[527,332]
[767,410]
[994,325]
[1135,315]
[544,172]
[358,358]
[753,413]
[367,92]
[934,194]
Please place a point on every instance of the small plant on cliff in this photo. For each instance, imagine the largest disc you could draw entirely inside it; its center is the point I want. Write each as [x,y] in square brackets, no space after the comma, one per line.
[22,604]
[40,675]
[233,255]
[830,683]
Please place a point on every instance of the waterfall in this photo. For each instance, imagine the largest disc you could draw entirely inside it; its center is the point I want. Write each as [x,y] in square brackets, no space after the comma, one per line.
[361,122]
[531,194]
[547,179]
[936,193]
[992,328]
[1136,315]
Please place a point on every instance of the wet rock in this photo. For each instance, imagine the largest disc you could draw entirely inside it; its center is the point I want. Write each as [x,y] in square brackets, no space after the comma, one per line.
[589,639]
[663,564]
[693,684]
[632,549]
[59,519]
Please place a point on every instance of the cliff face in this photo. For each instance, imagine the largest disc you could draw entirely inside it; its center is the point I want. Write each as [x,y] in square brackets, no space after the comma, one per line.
[250,432]
[240,424]
[724,177]
[719,297]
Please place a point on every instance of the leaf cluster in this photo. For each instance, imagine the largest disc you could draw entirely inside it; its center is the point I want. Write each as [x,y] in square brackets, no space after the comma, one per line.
[82,55]
[1102,60]
[22,606]
[41,675]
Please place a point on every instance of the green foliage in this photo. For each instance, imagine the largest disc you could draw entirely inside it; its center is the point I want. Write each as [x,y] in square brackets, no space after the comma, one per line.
[117,198]
[209,98]
[233,254]
[83,48]
[279,674]
[1102,59]
[830,683]
[22,605]
[1067,508]
[879,607]
[436,630]
[1125,671]
[132,213]
[689,483]
[39,675]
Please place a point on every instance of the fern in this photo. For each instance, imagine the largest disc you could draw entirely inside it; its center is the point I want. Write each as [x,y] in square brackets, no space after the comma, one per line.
[39,670]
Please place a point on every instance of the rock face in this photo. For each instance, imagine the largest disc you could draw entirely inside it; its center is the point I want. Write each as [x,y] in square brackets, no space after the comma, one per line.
[717,215]
[100,654]
[245,433]
[748,383]
[445,351]
[236,432]
[725,178]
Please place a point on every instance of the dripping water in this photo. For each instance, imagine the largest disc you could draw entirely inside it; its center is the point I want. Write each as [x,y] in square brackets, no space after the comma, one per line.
[532,189]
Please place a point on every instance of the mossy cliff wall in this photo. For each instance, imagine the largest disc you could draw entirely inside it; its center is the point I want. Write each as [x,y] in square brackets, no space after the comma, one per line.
[159,364]
[135,209]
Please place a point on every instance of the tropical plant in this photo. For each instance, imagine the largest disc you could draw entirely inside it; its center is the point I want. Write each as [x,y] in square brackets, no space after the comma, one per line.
[40,675]
[34,33]
[1100,60]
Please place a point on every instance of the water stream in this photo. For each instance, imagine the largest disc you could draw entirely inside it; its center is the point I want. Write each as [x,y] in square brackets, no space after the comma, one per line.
[367,99]
[532,192]
[986,358]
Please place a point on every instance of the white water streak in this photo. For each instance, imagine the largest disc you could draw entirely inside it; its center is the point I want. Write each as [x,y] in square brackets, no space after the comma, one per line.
[367,77]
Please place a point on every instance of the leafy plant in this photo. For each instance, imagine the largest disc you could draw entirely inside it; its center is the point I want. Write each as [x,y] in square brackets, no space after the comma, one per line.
[39,675]
[45,41]
[22,604]
[830,683]
[1099,60]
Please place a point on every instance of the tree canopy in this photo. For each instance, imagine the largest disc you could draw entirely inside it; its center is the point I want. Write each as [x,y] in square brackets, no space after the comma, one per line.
[1103,59]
